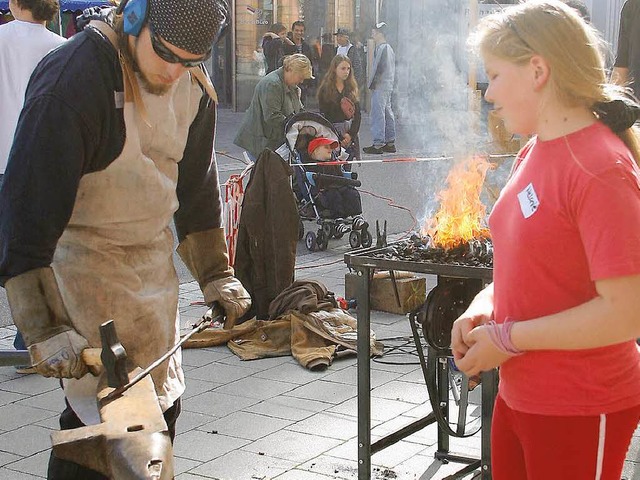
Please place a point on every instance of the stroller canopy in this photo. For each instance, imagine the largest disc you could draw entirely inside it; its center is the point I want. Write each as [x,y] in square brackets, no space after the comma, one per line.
[67,5]
[309,123]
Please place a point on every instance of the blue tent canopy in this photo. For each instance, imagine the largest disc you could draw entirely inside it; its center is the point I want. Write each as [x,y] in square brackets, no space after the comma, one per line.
[66,5]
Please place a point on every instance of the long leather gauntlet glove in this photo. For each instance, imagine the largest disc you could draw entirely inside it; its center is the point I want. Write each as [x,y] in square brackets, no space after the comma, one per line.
[39,313]
[205,255]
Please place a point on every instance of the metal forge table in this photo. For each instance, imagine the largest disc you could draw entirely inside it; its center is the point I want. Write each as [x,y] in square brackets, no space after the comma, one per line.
[364,262]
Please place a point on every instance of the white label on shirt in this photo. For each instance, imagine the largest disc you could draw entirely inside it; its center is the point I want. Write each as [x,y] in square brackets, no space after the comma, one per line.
[119,99]
[529,202]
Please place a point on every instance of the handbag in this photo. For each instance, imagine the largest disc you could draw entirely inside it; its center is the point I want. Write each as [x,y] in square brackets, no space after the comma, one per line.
[348,107]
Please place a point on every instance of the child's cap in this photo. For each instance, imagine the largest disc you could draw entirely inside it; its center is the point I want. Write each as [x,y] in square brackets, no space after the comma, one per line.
[316,142]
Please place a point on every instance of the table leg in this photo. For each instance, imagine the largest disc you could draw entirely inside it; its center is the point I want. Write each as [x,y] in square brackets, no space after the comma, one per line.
[364,375]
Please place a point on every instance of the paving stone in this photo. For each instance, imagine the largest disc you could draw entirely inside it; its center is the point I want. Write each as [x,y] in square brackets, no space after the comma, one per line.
[325,391]
[26,441]
[6,458]
[204,446]
[51,423]
[241,464]
[301,475]
[256,365]
[188,421]
[287,407]
[217,404]
[220,373]
[196,387]
[182,465]
[292,373]
[332,467]
[15,416]
[255,387]
[7,474]
[246,425]
[381,409]
[31,384]
[404,391]
[293,446]
[34,465]
[189,476]
[9,397]
[328,424]
[52,400]
[396,365]
[199,357]
[349,376]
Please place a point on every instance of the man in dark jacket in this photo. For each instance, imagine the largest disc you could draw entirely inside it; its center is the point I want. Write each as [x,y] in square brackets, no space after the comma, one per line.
[300,46]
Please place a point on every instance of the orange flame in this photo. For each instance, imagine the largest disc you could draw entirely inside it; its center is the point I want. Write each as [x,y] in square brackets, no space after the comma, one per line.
[461,214]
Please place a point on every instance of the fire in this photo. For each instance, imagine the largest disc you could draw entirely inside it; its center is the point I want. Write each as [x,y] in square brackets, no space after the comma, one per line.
[461,214]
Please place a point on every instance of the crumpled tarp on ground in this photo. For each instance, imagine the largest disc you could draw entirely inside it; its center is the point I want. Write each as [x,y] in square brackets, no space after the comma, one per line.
[314,339]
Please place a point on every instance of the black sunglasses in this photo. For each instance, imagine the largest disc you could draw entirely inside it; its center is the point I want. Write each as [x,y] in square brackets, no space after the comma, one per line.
[168,56]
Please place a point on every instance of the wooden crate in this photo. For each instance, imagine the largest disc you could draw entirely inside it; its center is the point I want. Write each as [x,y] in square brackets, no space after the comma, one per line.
[412,291]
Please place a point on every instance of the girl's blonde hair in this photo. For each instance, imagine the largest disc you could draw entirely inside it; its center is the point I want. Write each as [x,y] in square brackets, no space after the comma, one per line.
[572,47]
[327,89]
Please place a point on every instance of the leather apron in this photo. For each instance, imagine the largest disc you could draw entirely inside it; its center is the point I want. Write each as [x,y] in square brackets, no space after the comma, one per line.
[114,260]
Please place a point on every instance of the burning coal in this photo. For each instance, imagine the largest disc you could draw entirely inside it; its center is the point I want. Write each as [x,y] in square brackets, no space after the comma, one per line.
[457,234]
[477,252]
[461,217]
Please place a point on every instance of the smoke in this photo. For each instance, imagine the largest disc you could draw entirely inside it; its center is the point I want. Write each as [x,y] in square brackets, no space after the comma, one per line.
[438,108]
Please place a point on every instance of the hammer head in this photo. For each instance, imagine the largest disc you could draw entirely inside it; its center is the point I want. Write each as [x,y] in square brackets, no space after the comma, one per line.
[114,356]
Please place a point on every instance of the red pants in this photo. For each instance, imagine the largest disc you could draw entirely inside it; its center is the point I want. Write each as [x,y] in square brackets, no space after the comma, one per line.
[540,447]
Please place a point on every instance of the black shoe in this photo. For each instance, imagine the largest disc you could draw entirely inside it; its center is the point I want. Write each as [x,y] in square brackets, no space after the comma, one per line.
[389,148]
[373,150]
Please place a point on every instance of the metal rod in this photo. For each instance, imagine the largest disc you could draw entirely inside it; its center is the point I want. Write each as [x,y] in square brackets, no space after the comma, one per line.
[403,432]
[200,326]
[14,357]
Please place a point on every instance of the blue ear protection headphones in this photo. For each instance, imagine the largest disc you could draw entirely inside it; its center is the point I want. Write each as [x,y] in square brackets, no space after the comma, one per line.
[134,14]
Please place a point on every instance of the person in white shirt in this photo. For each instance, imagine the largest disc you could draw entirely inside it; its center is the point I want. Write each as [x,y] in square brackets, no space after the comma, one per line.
[23,43]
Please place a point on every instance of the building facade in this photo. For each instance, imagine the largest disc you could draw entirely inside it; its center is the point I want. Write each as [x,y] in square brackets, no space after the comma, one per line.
[253,18]
[433,67]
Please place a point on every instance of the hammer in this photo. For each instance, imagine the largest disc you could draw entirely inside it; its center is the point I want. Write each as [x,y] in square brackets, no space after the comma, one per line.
[112,356]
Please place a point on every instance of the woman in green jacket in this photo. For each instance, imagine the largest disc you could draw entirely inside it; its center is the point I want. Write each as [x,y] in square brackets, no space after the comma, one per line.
[276,97]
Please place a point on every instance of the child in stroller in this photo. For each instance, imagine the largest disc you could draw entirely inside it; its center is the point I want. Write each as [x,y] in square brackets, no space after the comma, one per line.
[326,193]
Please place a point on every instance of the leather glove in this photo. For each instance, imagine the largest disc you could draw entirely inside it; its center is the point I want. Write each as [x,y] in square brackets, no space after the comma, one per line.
[232,297]
[205,255]
[60,356]
[39,313]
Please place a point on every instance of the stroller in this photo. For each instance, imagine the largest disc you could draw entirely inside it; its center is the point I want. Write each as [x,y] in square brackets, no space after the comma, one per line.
[320,189]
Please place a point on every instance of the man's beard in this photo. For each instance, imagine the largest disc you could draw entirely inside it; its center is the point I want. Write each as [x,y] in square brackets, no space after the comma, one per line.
[150,87]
